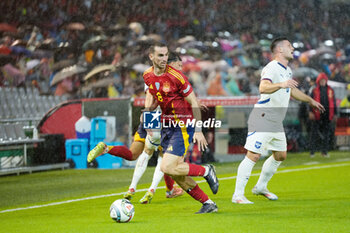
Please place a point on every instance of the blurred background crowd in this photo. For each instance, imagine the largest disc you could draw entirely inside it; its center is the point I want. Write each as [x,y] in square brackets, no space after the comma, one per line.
[86,48]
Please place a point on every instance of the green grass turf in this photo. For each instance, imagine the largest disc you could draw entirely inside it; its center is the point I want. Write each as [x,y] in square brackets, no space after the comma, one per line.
[314,200]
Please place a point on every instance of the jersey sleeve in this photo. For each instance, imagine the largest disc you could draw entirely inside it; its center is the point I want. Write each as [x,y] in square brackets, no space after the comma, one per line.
[146,87]
[186,89]
[147,76]
[184,85]
[268,74]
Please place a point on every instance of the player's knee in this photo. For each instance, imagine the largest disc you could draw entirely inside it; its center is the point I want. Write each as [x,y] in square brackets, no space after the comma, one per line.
[253,156]
[167,169]
[149,151]
[153,142]
[280,156]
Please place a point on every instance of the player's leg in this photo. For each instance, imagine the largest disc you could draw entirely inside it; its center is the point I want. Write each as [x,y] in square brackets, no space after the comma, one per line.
[120,151]
[279,147]
[243,174]
[175,146]
[150,145]
[141,165]
[171,165]
[171,190]
[157,177]
[268,170]
[192,188]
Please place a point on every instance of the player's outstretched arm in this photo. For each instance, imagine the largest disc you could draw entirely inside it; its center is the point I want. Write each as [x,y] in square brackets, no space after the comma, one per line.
[299,95]
[267,87]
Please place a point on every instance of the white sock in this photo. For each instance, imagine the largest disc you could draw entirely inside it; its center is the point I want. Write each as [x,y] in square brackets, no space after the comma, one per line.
[209,202]
[269,168]
[206,170]
[243,173]
[140,168]
[157,176]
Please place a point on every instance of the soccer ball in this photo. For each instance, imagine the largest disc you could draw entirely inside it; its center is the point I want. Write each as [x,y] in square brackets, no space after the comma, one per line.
[122,210]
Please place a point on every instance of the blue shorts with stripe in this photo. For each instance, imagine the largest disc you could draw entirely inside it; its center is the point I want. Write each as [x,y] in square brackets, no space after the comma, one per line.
[176,140]
[140,134]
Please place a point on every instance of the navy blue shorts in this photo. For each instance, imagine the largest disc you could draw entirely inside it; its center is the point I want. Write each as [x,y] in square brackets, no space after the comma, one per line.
[176,140]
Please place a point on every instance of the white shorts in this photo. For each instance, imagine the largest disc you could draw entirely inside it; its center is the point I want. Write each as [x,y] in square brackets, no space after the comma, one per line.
[259,142]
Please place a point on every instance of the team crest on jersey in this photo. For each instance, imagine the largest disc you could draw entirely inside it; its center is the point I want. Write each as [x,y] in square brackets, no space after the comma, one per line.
[257,145]
[170,148]
[151,87]
[157,85]
[166,87]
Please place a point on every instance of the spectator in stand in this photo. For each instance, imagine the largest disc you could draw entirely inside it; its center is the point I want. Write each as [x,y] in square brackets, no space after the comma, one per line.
[321,123]
[215,87]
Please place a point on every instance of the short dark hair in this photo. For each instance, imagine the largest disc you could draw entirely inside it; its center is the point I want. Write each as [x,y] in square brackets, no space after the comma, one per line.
[276,41]
[173,57]
[156,44]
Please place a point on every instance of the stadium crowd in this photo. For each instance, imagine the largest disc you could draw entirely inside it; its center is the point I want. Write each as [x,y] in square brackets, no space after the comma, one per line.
[223,43]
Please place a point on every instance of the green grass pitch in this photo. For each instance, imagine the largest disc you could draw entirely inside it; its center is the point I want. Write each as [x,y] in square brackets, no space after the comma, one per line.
[313,197]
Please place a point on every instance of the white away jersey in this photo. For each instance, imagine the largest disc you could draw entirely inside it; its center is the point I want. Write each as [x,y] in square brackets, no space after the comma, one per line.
[272,107]
[276,73]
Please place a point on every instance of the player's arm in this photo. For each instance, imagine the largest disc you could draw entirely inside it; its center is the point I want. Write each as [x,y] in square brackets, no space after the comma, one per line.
[198,135]
[299,95]
[150,102]
[267,87]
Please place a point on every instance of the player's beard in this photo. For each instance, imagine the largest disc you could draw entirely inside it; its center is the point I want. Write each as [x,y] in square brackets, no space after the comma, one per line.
[160,66]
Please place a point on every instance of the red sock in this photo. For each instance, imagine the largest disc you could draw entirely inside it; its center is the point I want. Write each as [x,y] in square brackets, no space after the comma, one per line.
[196,170]
[198,194]
[169,182]
[121,151]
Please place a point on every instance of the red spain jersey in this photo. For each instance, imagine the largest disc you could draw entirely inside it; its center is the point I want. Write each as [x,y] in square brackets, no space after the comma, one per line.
[170,90]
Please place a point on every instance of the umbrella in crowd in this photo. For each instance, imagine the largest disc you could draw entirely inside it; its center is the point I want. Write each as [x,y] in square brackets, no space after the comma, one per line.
[76,26]
[66,72]
[303,72]
[32,64]
[98,69]
[139,67]
[13,75]
[20,50]
[100,83]
[62,64]
[5,27]
[94,41]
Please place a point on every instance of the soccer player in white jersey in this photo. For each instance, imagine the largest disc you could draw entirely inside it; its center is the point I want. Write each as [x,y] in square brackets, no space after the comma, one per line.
[265,129]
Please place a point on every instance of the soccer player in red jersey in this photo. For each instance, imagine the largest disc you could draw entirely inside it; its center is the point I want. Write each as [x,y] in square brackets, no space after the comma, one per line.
[142,148]
[175,96]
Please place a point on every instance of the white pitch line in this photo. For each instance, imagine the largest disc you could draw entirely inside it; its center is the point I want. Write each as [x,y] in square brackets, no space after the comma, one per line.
[162,187]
